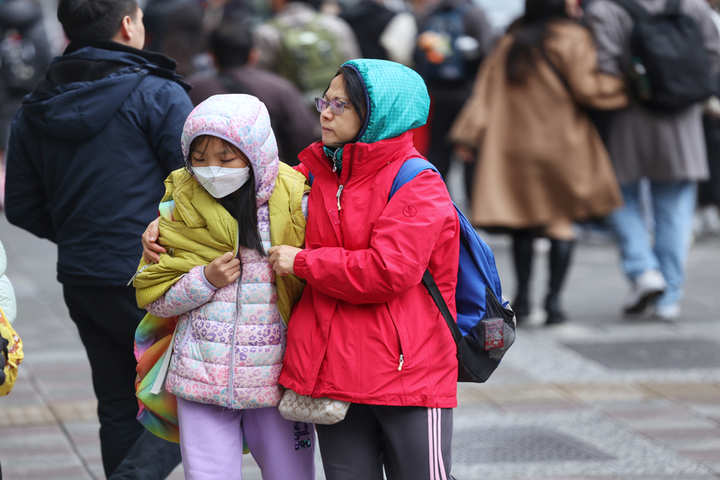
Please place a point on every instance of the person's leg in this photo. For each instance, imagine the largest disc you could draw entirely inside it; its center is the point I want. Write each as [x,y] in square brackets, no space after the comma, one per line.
[632,235]
[418,442]
[440,151]
[638,260]
[469,180]
[352,449]
[211,439]
[106,319]
[281,448]
[522,258]
[559,260]
[673,206]
[150,458]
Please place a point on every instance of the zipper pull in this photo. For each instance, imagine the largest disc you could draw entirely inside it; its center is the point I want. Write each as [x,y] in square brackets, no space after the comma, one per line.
[339,192]
[137,273]
[402,360]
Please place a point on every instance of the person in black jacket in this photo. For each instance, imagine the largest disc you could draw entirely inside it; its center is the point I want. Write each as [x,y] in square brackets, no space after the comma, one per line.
[88,152]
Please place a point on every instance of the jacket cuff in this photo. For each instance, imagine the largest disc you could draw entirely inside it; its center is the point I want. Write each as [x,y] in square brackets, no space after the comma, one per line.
[205,280]
[299,265]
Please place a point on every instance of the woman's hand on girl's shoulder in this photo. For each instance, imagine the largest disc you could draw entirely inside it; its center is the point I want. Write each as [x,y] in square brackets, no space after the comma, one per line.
[222,271]
[151,249]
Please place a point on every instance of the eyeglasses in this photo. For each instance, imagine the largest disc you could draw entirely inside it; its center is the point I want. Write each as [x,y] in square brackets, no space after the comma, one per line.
[337,107]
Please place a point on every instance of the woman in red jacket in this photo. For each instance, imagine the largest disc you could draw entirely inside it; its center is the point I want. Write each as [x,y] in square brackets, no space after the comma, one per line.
[366,331]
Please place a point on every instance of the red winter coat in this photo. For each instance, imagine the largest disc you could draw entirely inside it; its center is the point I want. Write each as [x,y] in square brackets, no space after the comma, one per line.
[366,330]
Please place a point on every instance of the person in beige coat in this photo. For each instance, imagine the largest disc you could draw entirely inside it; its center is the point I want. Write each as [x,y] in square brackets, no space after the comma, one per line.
[541,164]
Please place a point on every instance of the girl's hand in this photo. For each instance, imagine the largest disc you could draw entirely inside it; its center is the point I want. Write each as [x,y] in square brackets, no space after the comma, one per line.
[151,250]
[282,258]
[223,270]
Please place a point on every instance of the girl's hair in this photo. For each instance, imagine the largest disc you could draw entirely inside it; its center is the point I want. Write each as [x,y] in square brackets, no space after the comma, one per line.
[530,32]
[241,203]
[355,91]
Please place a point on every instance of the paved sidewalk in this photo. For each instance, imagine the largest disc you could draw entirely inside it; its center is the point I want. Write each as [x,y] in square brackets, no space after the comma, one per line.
[599,398]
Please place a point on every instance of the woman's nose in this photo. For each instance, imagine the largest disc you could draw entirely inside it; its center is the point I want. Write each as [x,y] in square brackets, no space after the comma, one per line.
[327,113]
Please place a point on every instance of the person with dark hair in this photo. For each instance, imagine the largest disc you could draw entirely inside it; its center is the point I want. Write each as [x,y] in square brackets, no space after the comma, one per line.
[663,150]
[87,155]
[365,330]
[541,162]
[304,45]
[235,56]
[232,309]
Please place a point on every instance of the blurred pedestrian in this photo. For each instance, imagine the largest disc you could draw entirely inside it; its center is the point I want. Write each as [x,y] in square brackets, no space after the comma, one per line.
[666,148]
[382,32]
[541,162]
[235,57]
[24,55]
[707,215]
[175,28]
[453,38]
[88,153]
[304,45]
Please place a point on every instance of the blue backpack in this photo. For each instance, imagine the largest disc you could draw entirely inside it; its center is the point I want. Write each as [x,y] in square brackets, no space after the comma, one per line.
[485,326]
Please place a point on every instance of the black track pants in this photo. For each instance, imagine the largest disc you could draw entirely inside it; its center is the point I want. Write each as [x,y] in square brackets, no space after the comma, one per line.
[412,443]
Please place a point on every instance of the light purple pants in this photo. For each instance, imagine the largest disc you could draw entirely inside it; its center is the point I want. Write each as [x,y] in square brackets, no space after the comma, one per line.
[211,440]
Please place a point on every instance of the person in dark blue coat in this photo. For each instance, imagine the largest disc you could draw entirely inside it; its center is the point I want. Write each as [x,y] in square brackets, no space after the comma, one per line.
[88,152]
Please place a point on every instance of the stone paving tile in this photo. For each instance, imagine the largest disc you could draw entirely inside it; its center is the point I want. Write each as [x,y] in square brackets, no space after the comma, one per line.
[47,472]
[678,391]
[519,393]
[28,415]
[472,394]
[707,408]
[603,392]
[703,456]
[547,406]
[83,411]
[584,477]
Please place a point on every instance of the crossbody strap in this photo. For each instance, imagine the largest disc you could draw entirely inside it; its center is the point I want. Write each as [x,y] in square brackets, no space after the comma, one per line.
[434,291]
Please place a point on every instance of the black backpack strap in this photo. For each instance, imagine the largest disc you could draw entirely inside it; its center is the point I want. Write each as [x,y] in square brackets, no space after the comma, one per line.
[672,6]
[634,9]
[434,291]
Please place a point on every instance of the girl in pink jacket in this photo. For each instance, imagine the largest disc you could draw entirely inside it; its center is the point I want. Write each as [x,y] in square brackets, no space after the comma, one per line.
[230,339]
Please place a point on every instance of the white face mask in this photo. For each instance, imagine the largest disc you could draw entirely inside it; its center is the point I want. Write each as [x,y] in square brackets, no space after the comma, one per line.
[220,182]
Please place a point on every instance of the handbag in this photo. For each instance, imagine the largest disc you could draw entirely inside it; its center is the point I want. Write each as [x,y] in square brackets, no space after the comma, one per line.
[301,408]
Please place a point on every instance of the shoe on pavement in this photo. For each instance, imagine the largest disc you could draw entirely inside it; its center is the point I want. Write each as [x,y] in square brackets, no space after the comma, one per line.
[667,313]
[645,289]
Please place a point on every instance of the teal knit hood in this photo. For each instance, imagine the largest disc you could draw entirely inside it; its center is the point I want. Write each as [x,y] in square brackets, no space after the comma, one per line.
[396,98]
